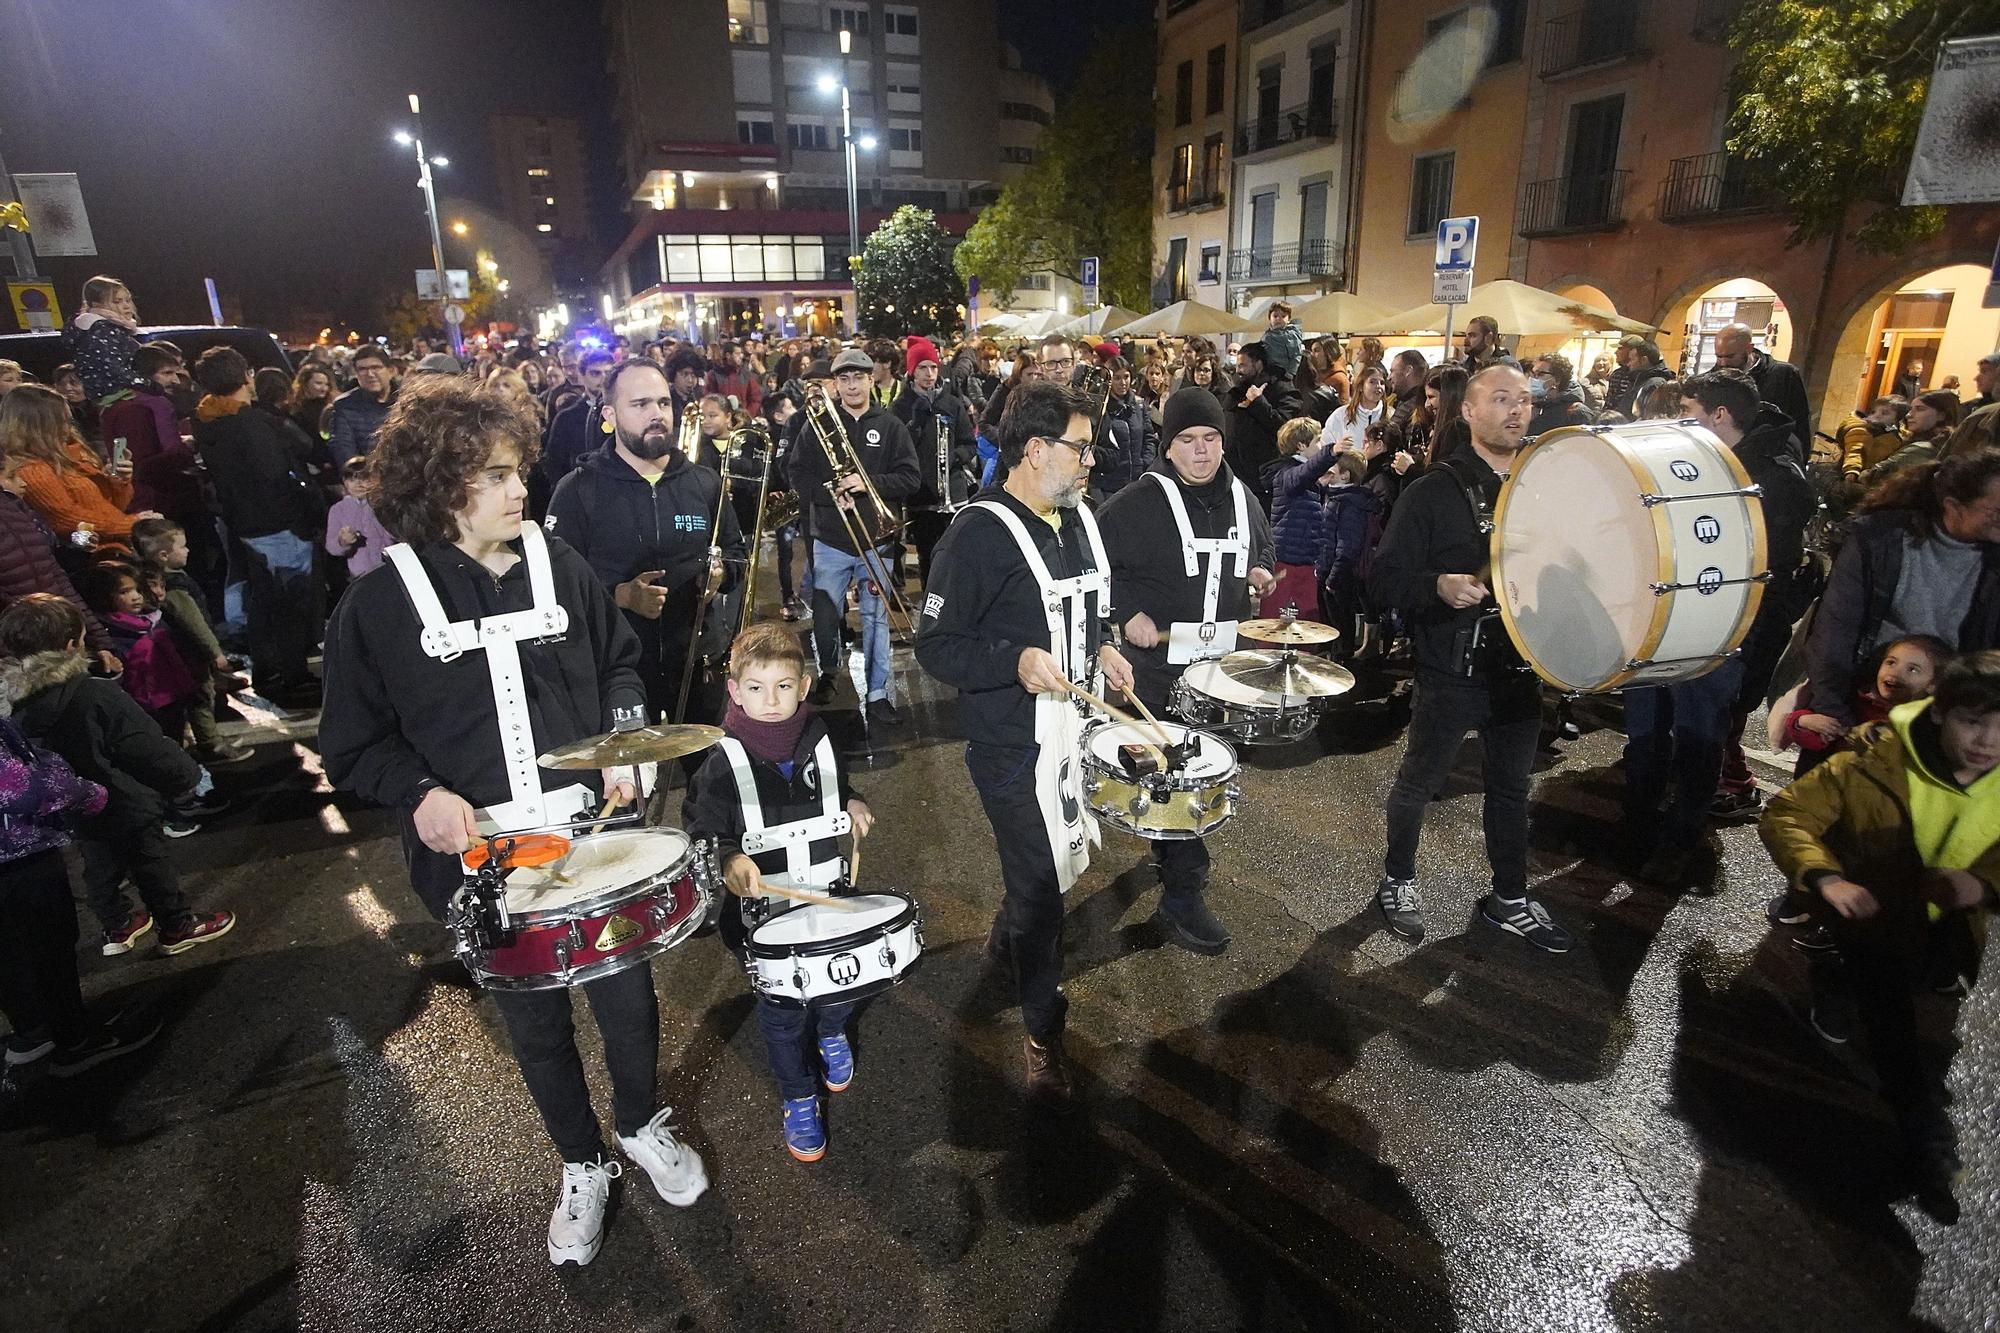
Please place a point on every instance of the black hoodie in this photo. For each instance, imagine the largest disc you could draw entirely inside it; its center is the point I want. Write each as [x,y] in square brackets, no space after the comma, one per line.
[887,455]
[1773,455]
[1432,531]
[103,734]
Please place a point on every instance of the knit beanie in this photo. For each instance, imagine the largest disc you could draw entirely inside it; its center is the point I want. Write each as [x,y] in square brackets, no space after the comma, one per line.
[1186,408]
[921,350]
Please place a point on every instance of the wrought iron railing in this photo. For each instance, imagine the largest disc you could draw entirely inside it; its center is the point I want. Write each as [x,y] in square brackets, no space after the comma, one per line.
[1308,259]
[1298,124]
[1201,192]
[1711,185]
[1598,33]
[1574,203]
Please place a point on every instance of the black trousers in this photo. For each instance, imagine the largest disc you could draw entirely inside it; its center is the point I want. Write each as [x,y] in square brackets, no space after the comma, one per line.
[926,530]
[145,855]
[1028,929]
[1183,862]
[39,988]
[1880,964]
[1507,714]
[541,1027]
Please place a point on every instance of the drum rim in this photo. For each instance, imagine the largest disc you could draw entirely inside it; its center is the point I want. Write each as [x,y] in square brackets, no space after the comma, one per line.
[581,976]
[836,943]
[1656,630]
[609,899]
[847,994]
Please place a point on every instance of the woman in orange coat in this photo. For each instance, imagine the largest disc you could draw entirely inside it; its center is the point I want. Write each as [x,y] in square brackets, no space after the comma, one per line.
[61,477]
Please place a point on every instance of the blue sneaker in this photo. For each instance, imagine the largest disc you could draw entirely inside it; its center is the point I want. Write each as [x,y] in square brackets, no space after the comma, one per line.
[805,1133]
[838,1057]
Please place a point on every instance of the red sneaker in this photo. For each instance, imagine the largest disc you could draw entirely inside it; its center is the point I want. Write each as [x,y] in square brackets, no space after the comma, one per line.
[120,938]
[197,930]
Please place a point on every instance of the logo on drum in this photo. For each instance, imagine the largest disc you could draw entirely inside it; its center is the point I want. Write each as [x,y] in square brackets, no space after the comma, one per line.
[1208,631]
[1708,582]
[1707,530]
[618,932]
[1685,470]
[843,968]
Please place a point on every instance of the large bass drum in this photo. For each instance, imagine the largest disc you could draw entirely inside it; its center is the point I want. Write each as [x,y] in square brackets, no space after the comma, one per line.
[1628,555]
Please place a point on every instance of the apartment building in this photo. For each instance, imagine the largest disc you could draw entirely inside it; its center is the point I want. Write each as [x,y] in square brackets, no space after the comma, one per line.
[544,192]
[731,140]
[1194,126]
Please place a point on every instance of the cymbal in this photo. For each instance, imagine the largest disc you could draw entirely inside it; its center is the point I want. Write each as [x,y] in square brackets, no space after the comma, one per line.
[1288,673]
[1286,631]
[646,745]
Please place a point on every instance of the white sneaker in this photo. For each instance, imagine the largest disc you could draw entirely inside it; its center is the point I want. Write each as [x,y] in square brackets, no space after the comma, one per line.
[576,1232]
[675,1168]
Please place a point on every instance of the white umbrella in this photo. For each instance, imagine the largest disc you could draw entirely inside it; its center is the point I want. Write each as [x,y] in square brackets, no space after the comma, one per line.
[1034,325]
[1181,319]
[1096,321]
[1336,312]
[1518,309]
[1001,322]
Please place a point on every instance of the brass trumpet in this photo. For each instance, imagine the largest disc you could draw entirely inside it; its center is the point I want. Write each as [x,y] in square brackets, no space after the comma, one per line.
[709,581]
[864,532]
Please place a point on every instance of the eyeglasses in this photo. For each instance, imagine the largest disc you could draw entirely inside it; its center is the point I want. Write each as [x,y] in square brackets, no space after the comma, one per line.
[1059,365]
[1084,449]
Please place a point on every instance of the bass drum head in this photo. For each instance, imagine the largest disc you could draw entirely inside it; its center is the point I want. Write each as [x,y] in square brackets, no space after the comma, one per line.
[1211,760]
[816,923]
[598,866]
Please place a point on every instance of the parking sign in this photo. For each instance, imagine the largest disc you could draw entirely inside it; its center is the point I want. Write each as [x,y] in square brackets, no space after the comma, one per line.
[1089,281]
[1457,238]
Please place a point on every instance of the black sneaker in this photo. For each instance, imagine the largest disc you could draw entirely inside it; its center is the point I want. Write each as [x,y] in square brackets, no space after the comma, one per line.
[1932,1145]
[1733,806]
[122,1035]
[1401,907]
[1528,919]
[175,827]
[200,807]
[1788,909]
[24,1048]
[1814,939]
[1668,867]
[882,713]
[1188,923]
[822,692]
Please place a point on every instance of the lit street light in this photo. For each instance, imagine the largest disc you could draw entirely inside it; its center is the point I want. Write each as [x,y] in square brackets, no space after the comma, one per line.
[459,228]
[827,84]
[415,139]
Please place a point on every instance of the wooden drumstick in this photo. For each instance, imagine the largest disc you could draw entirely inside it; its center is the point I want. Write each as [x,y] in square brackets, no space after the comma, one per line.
[610,803]
[1147,713]
[800,895]
[854,864]
[1159,757]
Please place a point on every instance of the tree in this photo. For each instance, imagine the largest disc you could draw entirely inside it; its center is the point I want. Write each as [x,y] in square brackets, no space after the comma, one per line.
[1828,98]
[1088,191]
[905,282]
[405,317]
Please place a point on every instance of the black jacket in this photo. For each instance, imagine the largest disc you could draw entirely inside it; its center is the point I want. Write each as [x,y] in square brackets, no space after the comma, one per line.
[1780,384]
[1432,531]
[1149,572]
[104,735]
[1625,386]
[982,608]
[396,722]
[887,455]
[357,415]
[713,810]
[920,418]
[261,475]
[1251,439]
[624,525]
[1772,454]
[574,433]
[1125,447]
[1861,593]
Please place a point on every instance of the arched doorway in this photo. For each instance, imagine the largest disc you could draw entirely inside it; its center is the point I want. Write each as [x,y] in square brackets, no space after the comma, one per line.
[1583,349]
[1687,340]
[1912,337]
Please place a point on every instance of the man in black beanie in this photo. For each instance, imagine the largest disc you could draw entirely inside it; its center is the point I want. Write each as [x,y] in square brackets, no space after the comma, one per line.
[1189,547]
[1259,406]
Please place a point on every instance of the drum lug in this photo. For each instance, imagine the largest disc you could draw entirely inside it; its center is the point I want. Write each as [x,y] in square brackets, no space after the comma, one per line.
[562,952]
[1138,805]
[1091,785]
[1232,793]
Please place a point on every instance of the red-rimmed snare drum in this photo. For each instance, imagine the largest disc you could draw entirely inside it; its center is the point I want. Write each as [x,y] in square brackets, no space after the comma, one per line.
[613,902]
[1628,555]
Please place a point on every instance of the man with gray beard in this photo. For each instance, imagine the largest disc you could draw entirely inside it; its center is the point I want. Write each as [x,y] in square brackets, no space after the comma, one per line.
[640,513]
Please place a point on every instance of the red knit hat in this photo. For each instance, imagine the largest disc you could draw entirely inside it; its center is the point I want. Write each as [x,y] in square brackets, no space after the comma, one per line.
[921,350]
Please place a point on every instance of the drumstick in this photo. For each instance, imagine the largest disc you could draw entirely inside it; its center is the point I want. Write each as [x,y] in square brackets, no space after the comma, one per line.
[1147,713]
[854,864]
[604,814]
[1159,757]
[801,895]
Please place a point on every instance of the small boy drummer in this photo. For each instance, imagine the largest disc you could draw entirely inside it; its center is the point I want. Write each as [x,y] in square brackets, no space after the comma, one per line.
[774,777]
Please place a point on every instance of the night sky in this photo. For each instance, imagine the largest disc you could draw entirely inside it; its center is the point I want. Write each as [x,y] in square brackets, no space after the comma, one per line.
[249,140]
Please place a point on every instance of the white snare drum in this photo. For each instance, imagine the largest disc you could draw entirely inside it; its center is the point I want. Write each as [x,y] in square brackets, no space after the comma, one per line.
[816,954]
[1208,698]
[614,901]
[1189,803]
[1628,555]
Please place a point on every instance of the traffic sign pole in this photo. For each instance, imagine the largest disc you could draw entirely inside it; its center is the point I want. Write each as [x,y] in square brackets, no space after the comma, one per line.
[18,243]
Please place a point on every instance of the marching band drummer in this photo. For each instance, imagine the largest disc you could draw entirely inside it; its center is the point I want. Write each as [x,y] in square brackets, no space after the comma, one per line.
[1189,546]
[774,801]
[477,629]
[640,514]
[1018,605]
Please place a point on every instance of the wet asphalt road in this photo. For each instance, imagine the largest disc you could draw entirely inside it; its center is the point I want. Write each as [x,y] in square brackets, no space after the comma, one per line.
[1324,1128]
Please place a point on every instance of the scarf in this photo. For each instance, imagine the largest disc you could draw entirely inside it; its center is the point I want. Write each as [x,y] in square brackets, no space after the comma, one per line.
[773,742]
[214,408]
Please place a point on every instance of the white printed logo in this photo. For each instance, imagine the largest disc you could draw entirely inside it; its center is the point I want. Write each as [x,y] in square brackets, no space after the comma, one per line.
[933,606]
[549,523]
[874,436]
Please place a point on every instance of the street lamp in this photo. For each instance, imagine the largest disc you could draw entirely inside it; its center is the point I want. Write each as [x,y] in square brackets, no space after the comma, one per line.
[424,164]
[459,228]
[827,83]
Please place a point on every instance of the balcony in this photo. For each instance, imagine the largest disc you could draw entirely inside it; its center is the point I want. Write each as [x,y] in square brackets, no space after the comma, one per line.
[1305,123]
[1285,263]
[1713,17]
[1600,33]
[1257,13]
[1575,203]
[1195,196]
[1713,185]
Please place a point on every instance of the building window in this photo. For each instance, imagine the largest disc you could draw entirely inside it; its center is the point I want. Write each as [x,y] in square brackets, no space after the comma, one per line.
[902,140]
[900,22]
[1184,92]
[748,257]
[1218,74]
[538,172]
[750,21]
[544,227]
[849,20]
[1211,264]
[755,129]
[1510,19]
[1023,111]
[1183,176]
[1430,192]
[1035,282]
[806,134]
[1023,156]
[1211,166]
[1177,275]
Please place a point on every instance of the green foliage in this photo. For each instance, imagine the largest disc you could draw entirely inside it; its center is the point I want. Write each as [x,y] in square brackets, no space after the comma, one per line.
[905,282]
[1088,191]
[1828,98]
[403,317]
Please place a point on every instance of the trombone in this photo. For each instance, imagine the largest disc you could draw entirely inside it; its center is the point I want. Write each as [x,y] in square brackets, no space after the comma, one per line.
[690,435]
[866,535]
[709,582]
[740,440]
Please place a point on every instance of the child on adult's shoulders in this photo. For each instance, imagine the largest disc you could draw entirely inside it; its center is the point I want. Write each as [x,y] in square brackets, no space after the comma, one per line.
[787,758]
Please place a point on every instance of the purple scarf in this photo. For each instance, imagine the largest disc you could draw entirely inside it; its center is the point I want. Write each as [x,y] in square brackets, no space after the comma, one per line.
[773,742]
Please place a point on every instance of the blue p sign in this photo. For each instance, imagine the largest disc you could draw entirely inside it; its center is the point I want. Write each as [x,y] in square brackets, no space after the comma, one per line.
[1456,240]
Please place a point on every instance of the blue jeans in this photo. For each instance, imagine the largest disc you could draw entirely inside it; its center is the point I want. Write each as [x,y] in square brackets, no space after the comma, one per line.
[1675,734]
[284,607]
[833,571]
[785,1041]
